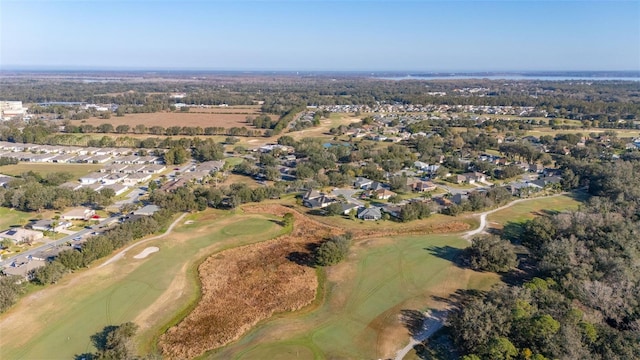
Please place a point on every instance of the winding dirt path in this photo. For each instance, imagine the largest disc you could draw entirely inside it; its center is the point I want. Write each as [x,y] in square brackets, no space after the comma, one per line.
[120,255]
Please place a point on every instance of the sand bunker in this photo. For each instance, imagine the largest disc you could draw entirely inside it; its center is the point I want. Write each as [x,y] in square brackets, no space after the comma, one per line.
[146,252]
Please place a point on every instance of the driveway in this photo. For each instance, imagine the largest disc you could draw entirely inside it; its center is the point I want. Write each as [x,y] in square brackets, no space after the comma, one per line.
[348,195]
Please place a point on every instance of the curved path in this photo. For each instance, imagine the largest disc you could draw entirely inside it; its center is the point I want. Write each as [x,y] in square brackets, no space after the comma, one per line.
[433,323]
[483,216]
[120,255]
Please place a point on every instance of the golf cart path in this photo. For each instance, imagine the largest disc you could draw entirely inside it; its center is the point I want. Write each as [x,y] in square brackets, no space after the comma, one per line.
[483,216]
[432,323]
[120,255]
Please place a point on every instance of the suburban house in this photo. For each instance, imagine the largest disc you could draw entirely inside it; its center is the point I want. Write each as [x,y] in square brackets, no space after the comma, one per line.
[547,180]
[134,179]
[523,189]
[172,186]
[20,235]
[471,178]
[423,186]
[154,169]
[459,198]
[118,189]
[348,207]
[114,168]
[71,185]
[393,210]
[48,225]
[315,199]
[147,210]
[113,178]
[134,169]
[421,165]
[362,183]
[210,166]
[92,178]
[78,214]
[22,266]
[538,168]
[372,213]
[383,194]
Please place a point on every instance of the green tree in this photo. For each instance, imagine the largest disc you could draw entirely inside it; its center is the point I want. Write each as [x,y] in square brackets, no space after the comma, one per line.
[123,129]
[490,253]
[177,155]
[105,128]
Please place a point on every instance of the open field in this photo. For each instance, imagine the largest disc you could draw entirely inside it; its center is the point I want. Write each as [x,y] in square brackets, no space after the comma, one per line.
[11,217]
[60,318]
[235,109]
[245,285]
[77,170]
[360,315]
[529,209]
[168,119]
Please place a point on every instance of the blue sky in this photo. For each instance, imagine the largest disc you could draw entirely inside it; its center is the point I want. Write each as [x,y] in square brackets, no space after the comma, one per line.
[321,35]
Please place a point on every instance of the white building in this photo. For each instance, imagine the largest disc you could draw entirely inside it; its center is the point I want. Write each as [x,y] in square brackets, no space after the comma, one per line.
[11,109]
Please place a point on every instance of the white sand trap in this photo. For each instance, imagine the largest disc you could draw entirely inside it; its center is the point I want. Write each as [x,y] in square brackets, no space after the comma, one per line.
[189,222]
[146,252]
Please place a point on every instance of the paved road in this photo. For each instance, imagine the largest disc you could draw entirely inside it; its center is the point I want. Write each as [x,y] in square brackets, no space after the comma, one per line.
[59,242]
[348,195]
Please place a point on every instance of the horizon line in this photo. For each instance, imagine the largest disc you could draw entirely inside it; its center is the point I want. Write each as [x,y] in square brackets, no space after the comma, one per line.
[43,68]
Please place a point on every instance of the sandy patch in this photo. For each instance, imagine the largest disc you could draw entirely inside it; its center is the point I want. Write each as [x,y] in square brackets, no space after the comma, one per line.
[189,222]
[146,252]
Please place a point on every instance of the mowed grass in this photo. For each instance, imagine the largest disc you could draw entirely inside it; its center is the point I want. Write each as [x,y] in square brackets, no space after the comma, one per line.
[358,318]
[59,320]
[529,209]
[77,170]
[11,217]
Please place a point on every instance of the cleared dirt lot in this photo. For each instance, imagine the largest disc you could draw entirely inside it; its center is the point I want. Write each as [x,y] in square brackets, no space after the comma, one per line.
[168,119]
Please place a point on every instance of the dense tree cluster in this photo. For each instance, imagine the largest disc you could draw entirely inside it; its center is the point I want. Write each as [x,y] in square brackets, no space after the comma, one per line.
[490,253]
[10,291]
[332,250]
[587,306]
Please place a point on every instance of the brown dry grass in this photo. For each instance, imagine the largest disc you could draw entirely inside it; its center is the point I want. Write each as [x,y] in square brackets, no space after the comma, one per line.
[245,285]
[168,119]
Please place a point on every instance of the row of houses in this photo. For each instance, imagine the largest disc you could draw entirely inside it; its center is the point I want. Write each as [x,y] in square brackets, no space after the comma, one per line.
[61,149]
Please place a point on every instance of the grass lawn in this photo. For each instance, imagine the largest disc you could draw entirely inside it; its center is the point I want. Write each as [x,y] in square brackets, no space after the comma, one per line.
[10,217]
[358,318]
[529,209]
[233,161]
[59,319]
[77,170]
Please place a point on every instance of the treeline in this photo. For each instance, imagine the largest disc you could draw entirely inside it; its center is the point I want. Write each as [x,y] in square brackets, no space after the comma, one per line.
[480,200]
[583,300]
[108,128]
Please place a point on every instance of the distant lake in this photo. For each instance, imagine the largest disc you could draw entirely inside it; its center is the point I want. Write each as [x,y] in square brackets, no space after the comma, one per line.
[513,77]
